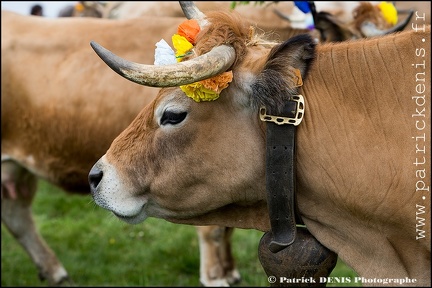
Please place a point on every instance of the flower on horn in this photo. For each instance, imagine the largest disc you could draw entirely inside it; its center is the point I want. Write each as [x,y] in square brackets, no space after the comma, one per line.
[389,12]
[183,42]
[164,54]
[208,89]
[185,38]
[182,46]
[204,90]
[189,29]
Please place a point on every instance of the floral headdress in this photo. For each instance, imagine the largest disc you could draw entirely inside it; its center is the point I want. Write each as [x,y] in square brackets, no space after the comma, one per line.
[183,42]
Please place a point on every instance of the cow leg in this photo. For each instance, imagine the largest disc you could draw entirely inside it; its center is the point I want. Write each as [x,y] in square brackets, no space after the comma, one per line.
[231,272]
[217,265]
[17,192]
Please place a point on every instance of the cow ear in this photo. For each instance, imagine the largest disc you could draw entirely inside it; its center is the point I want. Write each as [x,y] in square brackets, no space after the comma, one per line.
[297,52]
[287,65]
[332,29]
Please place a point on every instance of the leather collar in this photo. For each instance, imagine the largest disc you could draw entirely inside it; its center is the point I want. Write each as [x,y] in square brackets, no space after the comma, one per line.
[280,172]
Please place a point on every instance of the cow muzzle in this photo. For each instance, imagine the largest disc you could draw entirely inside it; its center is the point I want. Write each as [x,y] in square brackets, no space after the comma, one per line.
[110,192]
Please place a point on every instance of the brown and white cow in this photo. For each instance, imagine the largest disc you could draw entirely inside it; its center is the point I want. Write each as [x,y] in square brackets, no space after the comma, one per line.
[363,148]
[47,99]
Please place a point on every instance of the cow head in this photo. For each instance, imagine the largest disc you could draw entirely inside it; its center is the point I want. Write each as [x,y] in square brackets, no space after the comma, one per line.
[184,160]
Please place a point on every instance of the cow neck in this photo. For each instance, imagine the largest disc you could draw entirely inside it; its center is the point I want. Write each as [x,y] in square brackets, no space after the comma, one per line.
[280,171]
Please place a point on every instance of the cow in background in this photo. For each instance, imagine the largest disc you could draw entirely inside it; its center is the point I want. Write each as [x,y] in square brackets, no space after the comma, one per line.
[45,104]
[83,9]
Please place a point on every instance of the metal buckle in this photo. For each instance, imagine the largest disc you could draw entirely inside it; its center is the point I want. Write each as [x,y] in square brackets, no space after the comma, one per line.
[286,120]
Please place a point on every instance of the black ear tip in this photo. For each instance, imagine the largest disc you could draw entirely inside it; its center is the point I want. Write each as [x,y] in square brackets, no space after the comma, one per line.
[305,40]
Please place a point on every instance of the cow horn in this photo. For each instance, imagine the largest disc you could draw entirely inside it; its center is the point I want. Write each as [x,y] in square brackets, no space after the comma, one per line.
[218,60]
[369,29]
[191,11]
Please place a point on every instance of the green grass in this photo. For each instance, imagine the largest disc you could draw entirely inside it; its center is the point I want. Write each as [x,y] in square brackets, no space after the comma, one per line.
[97,249]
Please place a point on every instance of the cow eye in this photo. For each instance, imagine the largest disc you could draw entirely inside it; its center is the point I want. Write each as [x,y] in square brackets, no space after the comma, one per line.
[171,117]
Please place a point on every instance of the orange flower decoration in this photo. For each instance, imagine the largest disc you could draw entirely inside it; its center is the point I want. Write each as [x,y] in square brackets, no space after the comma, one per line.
[189,29]
[208,89]
[219,82]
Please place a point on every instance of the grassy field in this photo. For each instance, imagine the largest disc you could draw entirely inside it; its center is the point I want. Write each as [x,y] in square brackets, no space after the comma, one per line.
[97,249]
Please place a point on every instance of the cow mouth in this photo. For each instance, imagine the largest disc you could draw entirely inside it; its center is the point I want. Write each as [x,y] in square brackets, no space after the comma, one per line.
[134,219]
[124,217]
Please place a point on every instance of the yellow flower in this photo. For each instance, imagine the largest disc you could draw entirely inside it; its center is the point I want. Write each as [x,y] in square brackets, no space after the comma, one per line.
[208,89]
[182,46]
[198,92]
[389,12]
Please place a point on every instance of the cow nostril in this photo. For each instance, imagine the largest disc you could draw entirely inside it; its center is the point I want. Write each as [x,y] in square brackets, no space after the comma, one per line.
[95,176]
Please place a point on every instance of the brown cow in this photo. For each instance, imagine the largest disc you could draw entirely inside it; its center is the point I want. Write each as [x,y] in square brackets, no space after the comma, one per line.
[363,151]
[57,97]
